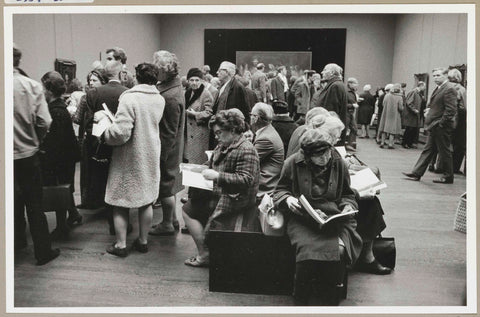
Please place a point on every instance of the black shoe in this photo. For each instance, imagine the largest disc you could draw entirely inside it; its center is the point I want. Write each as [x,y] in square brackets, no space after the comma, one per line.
[431,168]
[443,180]
[183,200]
[121,252]
[411,176]
[54,253]
[142,248]
[185,230]
[76,220]
[59,234]
[373,268]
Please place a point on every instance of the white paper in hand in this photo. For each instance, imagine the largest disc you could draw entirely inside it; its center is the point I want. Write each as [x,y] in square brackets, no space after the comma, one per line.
[99,128]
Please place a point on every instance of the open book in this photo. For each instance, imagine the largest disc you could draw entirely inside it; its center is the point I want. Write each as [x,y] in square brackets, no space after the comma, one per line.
[192,176]
[365,180]
[322,218]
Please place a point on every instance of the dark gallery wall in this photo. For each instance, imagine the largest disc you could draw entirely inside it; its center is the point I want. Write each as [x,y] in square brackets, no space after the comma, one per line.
[325,45]
[368,53]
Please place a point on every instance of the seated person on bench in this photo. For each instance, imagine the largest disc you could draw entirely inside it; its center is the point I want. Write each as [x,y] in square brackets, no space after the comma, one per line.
[234,170]
[319,173]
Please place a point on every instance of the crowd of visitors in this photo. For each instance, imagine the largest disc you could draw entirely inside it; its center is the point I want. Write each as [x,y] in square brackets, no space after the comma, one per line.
[262,135]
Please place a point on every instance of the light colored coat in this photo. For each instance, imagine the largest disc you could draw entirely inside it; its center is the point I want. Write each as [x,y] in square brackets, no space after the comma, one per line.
[391,120]
[134,174]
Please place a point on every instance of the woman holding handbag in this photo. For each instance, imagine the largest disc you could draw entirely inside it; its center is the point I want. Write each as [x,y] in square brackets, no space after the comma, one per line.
[60,150]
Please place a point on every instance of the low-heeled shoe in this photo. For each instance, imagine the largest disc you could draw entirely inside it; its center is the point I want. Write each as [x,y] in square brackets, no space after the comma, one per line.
[121,252]
[443,180]
[54,253]
[140,247]
[373,268]
[411,176]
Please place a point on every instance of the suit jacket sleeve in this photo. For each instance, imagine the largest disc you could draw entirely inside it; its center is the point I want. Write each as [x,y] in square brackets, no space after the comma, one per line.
[264,148]
[121,129]
[169,127]
[450,102]
[43,120]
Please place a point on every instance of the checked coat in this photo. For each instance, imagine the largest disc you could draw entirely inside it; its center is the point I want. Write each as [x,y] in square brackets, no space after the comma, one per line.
[237,186]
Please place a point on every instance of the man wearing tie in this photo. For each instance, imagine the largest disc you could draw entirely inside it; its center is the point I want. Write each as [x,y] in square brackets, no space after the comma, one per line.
[440,122]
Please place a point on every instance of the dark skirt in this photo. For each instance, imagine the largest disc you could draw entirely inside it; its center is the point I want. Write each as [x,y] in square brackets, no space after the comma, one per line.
[370,222]
[364,115]
[94,176]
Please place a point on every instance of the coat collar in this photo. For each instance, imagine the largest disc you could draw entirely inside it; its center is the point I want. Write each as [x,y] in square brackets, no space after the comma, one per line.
[57,103]
[164,86]
[143,88]
[280,118]
[331,81]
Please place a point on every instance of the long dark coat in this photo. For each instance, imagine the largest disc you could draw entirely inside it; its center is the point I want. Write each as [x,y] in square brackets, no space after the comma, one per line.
[413,102]
[366,108]
[60,147]
[172,128]
[334,98]
[196,126]
[312,243]
[233,96]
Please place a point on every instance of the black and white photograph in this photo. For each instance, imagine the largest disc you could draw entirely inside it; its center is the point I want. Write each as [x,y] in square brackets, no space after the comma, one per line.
[263,159]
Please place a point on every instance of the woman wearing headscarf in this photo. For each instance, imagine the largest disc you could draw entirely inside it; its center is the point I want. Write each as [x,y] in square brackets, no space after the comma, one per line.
[134,172]
[60,148]
[318,172]
[198,104]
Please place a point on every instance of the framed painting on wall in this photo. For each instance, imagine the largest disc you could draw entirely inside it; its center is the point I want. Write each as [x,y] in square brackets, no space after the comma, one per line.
[296,62]
[66,68]
[422,77]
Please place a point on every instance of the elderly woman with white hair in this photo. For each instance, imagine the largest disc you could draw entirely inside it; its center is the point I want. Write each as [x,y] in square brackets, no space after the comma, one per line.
[366,108]
[319,173]
[172,136]
[294,143]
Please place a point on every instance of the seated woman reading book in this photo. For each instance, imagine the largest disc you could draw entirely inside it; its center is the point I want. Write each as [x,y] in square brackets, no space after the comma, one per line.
[318,172]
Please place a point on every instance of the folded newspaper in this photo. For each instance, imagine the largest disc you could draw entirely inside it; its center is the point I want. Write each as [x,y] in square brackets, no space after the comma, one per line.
[365,181]
[319,216]
[99,128]
[192,176]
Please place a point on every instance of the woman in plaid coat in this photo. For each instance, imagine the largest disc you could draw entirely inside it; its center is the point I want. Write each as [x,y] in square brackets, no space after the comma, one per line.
[234,169]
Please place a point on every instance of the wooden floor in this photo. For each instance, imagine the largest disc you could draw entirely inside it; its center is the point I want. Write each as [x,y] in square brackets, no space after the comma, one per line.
[430,268]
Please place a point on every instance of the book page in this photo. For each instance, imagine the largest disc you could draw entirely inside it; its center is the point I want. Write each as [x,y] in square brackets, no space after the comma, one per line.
[365,180]
[192,176]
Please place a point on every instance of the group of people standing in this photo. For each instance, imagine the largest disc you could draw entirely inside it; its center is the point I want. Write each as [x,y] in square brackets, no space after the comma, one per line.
[257,150]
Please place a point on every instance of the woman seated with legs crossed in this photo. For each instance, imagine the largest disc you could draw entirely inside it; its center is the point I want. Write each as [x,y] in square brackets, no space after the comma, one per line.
[234,169]
[318,172]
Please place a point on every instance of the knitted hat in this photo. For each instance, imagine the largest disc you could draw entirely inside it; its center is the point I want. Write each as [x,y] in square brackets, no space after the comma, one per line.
[195,72]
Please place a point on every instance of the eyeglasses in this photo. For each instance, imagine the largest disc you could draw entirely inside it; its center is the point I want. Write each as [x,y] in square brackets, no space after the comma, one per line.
[220,69]
[253,115]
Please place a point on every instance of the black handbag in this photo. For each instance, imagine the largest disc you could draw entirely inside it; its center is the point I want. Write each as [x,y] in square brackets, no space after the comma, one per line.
[56,197]
[384,251]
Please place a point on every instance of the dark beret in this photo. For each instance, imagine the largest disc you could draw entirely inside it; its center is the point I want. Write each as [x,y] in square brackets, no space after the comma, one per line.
[194,72]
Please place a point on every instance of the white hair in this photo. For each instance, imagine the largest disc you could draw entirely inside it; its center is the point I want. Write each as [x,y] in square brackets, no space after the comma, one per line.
[229,67]
[265,111]
[367,87]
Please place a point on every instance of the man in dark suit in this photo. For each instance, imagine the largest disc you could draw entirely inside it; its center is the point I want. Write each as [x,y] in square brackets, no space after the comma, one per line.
[259,83]
[280,86]
[440,121]
[411,115]
[101,153]
[334,96]
[250,95]
[232,93]
[283,123]
[269,147]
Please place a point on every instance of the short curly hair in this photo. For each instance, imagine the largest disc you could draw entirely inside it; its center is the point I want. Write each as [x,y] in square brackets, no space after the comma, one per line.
[229,120]
[54,83]
[146,73]
[167,61]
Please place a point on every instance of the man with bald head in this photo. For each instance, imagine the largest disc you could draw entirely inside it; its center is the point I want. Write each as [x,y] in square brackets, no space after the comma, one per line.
[232,92]
[269,146]
[334,96]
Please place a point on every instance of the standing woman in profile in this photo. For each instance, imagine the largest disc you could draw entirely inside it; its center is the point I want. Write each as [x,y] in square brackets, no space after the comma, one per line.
[60,149]
[134,172]
[94,79]
[198,104]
